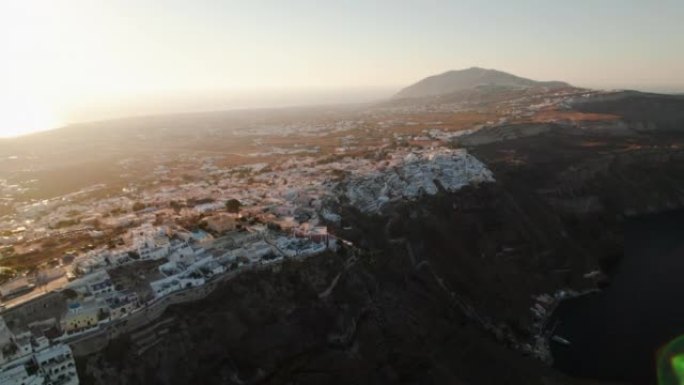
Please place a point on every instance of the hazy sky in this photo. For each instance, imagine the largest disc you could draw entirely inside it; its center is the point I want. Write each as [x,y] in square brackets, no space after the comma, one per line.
[63,60]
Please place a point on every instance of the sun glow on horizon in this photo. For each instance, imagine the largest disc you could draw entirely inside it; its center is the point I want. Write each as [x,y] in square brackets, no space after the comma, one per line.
[26,118]
[29,84]
[68,61]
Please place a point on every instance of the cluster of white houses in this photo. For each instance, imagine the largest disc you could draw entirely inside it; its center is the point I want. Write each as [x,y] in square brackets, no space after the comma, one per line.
[93,300]
[184,261]
[408,174]
[27,359]
[290,196]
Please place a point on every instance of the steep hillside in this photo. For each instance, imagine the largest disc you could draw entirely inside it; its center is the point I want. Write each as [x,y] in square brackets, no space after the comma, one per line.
[440,293]
[645,110]
[383,322]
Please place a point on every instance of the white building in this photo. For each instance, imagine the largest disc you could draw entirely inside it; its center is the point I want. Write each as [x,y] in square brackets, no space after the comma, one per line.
[148,251]
[57,365]
[17,375]
[181,252]
[95,283]
[168,285]
[151,242]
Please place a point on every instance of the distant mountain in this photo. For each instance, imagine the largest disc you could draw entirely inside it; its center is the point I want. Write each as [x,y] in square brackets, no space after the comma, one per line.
[467,79]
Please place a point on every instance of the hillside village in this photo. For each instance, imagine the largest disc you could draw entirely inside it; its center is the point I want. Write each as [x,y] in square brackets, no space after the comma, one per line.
[154,241]
[113,284]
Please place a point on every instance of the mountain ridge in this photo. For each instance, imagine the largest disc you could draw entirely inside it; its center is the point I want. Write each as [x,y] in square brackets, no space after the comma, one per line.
[470,78]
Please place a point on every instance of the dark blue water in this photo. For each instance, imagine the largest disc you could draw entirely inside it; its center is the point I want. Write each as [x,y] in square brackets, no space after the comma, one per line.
[615,334]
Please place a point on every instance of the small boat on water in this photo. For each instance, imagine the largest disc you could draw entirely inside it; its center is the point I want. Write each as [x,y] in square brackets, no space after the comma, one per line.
[560,340]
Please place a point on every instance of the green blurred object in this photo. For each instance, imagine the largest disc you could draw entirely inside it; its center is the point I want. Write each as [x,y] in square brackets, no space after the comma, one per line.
[670,363]
[678,367]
